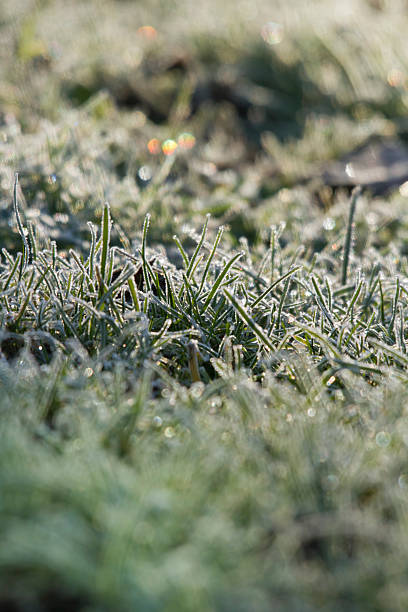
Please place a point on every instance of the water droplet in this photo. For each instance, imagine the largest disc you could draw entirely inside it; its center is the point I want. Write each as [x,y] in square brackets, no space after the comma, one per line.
[311,412]
[196,390]
[157,421]
[52,179]
[169,432]
[216,402]
[329,223]
[382,439]
[88,372]
[145,173]
[350,171]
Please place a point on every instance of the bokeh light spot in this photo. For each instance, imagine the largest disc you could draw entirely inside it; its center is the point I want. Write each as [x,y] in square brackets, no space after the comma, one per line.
[382,439]
[154,146]
[157,421]
[186,140]
[329,224]
[169,146]
[148,32]
[272,33]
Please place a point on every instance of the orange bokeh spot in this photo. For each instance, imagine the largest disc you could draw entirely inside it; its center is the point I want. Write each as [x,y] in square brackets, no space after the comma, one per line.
[154,146]
[148,32]
[186,140]
[169,146]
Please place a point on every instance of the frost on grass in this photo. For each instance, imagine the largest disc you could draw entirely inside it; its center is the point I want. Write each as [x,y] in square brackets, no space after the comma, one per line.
[203,361]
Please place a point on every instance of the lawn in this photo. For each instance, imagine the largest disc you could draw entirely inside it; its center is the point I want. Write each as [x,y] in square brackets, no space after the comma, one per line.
[203,306]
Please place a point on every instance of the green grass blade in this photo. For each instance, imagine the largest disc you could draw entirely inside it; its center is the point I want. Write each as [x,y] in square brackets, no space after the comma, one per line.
[274,284]
[349,235]
[219,280]
[105,231]
[246,318]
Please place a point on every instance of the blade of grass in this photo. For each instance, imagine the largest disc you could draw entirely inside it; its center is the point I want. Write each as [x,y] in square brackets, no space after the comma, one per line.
[219,280]
[349,235]
[274,284]
[246,318]
[26,248]
[105,231]
[210,258]
[190,268]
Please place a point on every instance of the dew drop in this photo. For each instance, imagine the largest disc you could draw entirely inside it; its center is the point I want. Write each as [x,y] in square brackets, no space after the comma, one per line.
[329,223]
[382,439]
[350,171]
[145,173]
[196,390]
[216,402]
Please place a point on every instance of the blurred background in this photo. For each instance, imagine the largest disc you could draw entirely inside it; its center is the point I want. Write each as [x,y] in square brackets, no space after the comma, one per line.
[180,108]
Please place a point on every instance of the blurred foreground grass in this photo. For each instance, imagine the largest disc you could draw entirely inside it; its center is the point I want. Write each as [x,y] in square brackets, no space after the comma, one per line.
[195,418]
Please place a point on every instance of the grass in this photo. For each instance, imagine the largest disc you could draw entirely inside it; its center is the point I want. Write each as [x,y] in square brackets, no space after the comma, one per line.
[203,355]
